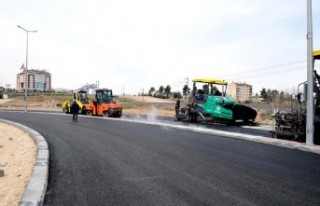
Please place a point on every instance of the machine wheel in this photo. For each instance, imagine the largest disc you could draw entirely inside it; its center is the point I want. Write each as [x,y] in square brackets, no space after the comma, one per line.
[89,112]
[66,109]
[246,122]
[119,114]
[190,118]
[106,114]
[230,122]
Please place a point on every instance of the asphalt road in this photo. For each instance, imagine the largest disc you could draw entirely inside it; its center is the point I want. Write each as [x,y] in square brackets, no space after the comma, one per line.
[103,162]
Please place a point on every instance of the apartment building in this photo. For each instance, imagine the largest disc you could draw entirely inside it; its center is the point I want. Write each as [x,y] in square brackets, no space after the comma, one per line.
[240,92]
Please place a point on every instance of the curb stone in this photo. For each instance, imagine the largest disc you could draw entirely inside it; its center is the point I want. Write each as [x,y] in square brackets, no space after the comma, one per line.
[37,186]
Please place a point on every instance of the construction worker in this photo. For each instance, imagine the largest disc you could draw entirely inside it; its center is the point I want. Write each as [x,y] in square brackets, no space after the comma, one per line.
[177,107]
[74,110]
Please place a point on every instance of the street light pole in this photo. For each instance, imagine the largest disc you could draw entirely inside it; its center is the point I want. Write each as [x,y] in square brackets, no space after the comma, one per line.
[309,123]
[26,70]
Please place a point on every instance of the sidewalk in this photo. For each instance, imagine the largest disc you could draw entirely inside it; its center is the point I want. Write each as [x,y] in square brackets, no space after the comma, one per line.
[24,161]
[18,152]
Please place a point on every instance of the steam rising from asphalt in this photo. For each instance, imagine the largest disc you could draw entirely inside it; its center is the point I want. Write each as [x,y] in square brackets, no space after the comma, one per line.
[154,117]
[151,116]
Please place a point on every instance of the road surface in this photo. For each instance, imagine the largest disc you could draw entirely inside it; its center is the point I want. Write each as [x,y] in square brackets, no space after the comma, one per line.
[97,161]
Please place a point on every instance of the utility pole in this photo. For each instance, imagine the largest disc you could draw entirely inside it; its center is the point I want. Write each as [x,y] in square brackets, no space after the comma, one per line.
[26,71]
[97,84]
[310,118]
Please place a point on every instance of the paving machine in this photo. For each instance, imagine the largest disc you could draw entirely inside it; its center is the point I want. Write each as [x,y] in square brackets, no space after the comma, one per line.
[81,98]
[212,106]
[292,125]
[103,105]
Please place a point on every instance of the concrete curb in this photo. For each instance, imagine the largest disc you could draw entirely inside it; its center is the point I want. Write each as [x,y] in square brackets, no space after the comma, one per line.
[37,186]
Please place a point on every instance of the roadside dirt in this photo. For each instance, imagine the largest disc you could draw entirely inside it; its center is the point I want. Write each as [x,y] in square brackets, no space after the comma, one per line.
[148,99]
[18,153]
[18,104]
[141,105]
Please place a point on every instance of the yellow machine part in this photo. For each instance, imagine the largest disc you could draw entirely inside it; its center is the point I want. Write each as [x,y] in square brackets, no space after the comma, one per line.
[211,81]
[316,54]
[67,104]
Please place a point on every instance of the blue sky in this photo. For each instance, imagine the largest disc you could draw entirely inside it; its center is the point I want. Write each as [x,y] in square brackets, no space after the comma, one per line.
[139,44]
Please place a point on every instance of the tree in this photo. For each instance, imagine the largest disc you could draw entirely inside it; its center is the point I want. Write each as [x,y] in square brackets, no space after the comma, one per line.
[185,90]
[282,96]
[263,94]
[269,95]
[167,90]
[151,91]
[176,94]
[274,95]
[160,91]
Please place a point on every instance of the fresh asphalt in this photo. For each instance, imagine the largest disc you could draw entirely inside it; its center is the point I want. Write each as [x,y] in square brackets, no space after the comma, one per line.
[98,161]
